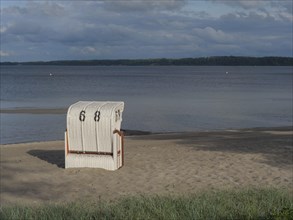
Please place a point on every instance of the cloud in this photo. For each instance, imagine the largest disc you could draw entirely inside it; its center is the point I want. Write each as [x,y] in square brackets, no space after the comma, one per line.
[246,4]
[144,29]
[281,9]
[3,29]
[143,5]
[87,50]
[257,4]
[5,53]
[212,35]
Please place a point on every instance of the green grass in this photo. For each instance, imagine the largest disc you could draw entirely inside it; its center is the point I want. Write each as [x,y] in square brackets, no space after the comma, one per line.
[225,204]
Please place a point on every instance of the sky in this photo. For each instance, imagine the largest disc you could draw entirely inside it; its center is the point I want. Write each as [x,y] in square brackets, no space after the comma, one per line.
[141,29]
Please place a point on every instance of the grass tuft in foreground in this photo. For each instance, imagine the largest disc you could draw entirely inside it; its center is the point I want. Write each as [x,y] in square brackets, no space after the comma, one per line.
[225,204]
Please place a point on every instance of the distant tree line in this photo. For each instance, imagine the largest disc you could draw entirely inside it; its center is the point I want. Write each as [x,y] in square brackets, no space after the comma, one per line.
[202,61]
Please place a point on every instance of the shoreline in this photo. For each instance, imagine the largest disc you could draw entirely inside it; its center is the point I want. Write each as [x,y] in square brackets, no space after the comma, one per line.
[134,133]
[155,164]
[127,132]
[33,111]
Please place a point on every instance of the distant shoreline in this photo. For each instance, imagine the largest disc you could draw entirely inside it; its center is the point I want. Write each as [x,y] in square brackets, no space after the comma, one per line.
[200,61]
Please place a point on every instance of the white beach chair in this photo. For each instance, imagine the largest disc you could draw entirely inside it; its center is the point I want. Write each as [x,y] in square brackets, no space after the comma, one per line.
[93,137]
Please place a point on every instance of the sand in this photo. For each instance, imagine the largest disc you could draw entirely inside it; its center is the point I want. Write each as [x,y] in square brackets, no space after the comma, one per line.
[157,164]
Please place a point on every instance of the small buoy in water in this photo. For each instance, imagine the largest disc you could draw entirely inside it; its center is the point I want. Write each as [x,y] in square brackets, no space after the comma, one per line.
[227,72]
[51,74]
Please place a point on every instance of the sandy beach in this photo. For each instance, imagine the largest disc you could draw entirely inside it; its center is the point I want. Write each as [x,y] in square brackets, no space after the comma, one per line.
[162,164]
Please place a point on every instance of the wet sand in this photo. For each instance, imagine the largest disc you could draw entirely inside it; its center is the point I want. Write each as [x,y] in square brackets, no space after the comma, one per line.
[34,111]
[161,164]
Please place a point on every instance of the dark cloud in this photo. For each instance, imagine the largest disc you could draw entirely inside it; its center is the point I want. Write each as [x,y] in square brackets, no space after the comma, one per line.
[257,4]
[246,4]
[143,5]
[143,29]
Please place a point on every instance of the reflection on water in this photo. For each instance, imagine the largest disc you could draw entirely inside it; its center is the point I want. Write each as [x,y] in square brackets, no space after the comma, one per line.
[156,98]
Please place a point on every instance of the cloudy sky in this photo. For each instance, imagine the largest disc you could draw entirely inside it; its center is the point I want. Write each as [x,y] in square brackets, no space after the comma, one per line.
[66,30]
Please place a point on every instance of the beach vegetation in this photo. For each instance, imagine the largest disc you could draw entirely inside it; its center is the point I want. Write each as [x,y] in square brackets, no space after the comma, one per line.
[214,204]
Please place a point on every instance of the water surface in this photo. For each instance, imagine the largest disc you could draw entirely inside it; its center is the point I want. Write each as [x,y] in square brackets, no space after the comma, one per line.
[156,98]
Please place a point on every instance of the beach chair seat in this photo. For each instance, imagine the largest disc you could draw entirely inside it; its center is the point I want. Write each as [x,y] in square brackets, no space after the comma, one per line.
[93,137]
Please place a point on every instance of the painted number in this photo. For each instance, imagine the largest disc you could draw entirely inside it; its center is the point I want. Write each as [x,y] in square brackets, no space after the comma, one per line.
[82,116]
[117,114]
[97,116]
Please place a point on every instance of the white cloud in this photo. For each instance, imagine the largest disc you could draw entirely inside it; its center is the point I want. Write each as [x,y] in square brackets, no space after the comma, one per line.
[211,34]
[3,29]
[88,50]
[5,53]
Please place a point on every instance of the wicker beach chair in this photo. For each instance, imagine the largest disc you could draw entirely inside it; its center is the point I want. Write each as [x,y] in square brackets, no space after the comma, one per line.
[93,137]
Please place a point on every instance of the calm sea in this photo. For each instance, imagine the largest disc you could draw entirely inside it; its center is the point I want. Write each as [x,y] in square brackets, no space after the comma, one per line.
[156,98]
